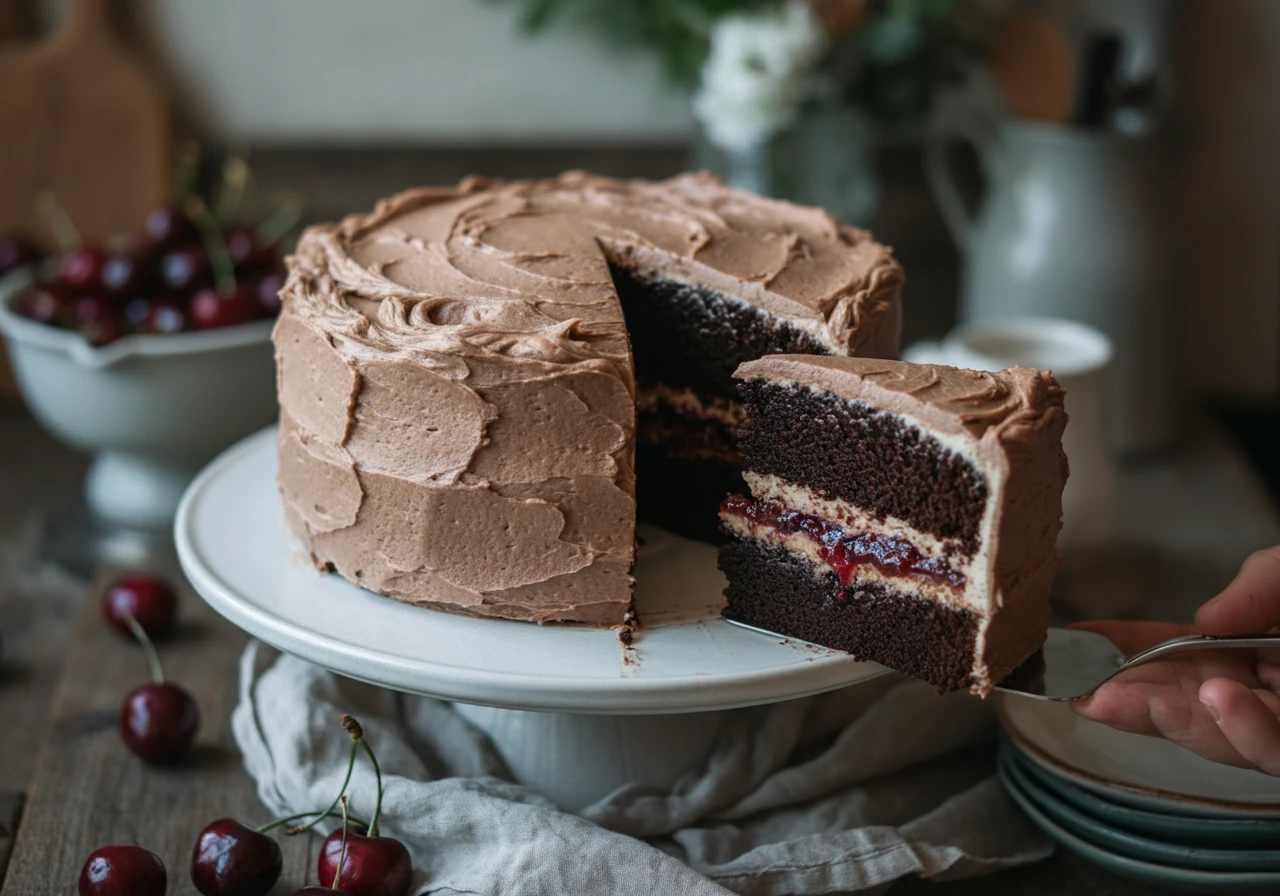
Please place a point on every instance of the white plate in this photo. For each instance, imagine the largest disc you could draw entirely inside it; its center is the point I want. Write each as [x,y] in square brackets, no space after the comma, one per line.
[1220,883]
[1143,772]
[233,546]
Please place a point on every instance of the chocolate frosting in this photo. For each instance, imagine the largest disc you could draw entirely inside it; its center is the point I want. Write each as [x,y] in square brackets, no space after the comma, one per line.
[1011,405]
[456,385]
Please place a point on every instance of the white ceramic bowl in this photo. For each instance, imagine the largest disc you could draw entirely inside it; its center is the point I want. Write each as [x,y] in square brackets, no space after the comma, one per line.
[150,409]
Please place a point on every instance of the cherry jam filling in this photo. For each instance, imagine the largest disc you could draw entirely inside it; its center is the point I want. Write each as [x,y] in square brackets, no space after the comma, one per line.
[842,550]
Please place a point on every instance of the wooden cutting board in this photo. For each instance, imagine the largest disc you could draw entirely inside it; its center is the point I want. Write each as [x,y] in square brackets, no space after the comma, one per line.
[82,117]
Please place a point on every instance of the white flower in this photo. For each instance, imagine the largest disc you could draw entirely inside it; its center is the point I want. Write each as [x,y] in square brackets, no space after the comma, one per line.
[758,72]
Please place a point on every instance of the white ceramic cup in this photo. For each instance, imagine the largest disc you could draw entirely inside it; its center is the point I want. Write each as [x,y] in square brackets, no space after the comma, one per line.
[1080,358]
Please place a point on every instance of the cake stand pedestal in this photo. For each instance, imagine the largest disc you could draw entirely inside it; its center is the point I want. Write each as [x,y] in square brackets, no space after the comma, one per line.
[574,713]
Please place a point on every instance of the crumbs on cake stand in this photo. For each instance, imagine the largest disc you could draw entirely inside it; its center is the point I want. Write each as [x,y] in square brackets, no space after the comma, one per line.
[626,637]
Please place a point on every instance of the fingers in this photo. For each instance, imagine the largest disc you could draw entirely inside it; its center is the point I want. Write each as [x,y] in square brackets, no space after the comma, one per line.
[1131,637]
[1247,722]
[1251,603]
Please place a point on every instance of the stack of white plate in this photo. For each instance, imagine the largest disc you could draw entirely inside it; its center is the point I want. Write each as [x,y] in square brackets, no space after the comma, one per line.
[1139,806]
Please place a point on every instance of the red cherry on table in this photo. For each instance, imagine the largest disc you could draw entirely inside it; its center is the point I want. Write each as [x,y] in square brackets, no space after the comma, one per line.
[158,722]
[374,866]
[185,269]
[166,227]
[17,250]
[81,268]
[231,859]
[123,871]
[47,303]
[148,599]
[211,309]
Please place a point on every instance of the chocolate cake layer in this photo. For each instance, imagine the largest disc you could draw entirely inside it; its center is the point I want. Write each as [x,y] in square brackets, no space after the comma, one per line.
[687,336]
[777,590]
[850,451]
[683,494]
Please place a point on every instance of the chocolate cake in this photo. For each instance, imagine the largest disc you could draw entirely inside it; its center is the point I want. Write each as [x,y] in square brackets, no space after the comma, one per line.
[475,381]
[904,513]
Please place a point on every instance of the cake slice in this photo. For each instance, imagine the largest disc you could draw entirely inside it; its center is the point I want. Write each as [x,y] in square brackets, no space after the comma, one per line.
[905,513]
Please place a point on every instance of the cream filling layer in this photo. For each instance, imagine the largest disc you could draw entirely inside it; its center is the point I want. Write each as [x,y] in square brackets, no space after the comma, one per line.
[855,519]
[805,546]
[688,403]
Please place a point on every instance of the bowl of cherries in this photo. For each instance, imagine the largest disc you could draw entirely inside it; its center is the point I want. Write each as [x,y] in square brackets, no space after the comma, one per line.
[152,354]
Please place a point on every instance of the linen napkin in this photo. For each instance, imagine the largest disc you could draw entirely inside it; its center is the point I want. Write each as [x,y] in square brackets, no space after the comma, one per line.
[839,793]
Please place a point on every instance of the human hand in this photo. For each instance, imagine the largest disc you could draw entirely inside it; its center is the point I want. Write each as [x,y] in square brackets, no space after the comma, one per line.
[1221,704]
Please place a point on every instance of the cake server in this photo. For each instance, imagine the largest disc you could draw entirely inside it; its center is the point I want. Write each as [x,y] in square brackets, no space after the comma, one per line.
[1074,663]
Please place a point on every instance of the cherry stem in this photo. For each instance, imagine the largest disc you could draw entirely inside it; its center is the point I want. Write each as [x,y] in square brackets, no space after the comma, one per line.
[57,220]
[235,180]
[215,245]
[377,806]
[279,222]
[187,170]
[351,764]
[272,825]
[149,649]
[342,855]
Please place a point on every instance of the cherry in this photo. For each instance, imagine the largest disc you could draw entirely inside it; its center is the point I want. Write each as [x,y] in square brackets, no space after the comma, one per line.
[185,269]
[364,864]
[231,859]
[269,293]
[374,866]
[167,227]
[91,309]
[81,268]
[147,599]
[163,317]
[211,309]
[249,255]
[158,721]
[16,251]
[47,303]
[124,273]
[123,871]
[103,332]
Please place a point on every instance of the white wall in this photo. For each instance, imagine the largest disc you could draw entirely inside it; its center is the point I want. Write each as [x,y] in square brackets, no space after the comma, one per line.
[400,70]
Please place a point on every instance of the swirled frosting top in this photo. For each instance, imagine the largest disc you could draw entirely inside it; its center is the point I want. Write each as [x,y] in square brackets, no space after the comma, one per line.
[1009,406]
[521,268]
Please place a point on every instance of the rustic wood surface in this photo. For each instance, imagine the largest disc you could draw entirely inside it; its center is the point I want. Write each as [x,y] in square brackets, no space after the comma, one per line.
[65,673]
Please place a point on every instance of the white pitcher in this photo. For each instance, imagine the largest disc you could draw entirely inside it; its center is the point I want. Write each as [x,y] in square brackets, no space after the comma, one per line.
[1072,224]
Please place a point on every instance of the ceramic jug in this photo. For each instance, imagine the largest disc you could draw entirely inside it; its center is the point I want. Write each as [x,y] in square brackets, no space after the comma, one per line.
[1071,224]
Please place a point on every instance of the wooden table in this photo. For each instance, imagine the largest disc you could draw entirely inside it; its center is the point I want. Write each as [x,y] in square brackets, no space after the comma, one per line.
[1197,514]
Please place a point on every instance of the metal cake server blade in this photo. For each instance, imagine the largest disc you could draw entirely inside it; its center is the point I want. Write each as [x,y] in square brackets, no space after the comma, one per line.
[1074,663]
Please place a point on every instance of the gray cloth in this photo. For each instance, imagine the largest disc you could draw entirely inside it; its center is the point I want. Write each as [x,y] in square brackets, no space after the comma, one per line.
[843,792]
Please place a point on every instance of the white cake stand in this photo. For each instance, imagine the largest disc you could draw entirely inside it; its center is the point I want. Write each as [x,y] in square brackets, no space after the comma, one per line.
[574,714]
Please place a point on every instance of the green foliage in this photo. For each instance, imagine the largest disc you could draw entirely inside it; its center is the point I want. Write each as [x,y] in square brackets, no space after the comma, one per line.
[677,30]
[888,67]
